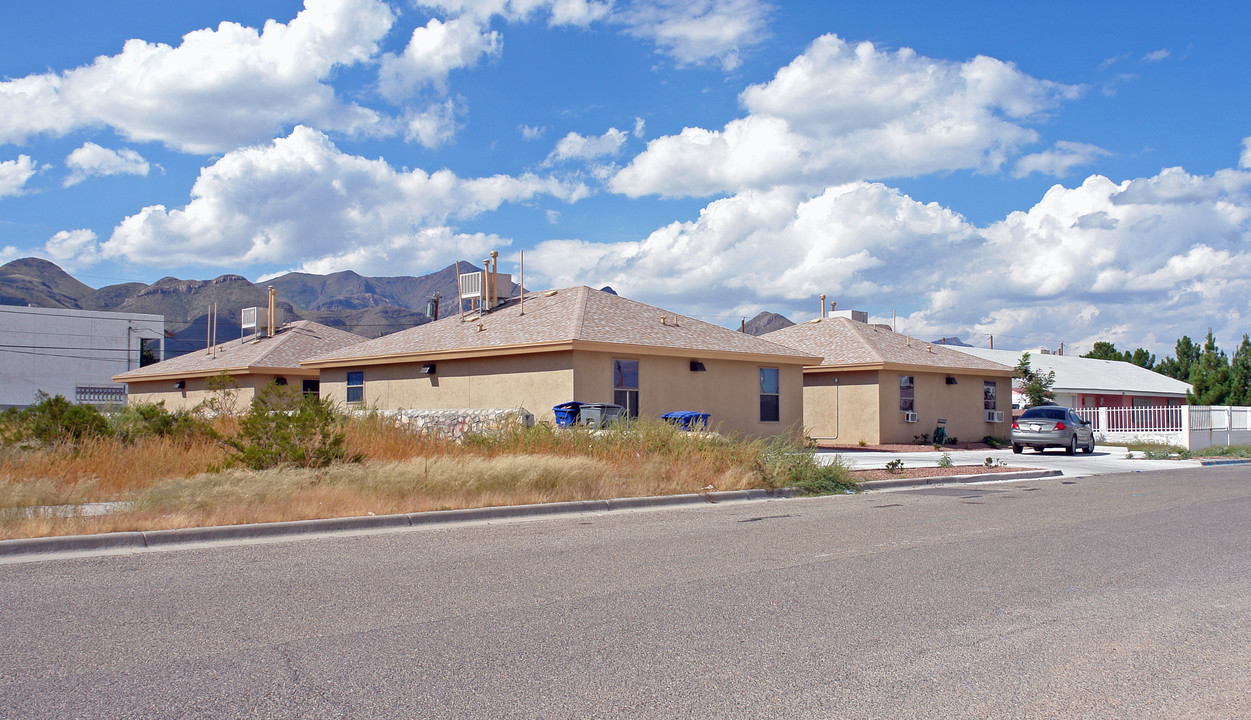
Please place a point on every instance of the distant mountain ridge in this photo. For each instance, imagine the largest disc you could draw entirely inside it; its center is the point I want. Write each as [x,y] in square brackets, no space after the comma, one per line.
[367,306]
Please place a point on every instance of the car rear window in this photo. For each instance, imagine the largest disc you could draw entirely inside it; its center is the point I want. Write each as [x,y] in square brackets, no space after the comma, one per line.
[1046,413]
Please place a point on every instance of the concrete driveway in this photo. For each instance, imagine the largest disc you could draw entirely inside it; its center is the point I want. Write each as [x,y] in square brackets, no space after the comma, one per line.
[1104,460]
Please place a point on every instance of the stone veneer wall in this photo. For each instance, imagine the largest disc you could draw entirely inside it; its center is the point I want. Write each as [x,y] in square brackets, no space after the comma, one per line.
[457,423]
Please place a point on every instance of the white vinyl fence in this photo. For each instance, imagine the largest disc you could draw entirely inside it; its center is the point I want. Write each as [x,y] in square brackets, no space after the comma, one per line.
[1193,427]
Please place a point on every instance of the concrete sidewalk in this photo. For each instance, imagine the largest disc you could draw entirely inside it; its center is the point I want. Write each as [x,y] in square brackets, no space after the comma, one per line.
[1106,459]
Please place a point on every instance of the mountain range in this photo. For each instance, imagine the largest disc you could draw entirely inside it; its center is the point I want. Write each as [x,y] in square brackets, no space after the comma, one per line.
[367,306]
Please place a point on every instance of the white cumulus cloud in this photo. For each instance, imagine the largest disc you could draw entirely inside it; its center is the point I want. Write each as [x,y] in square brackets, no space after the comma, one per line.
[218,89]
[1059,161]
[73,249]
[697,32]
[577,13]
[92,160]
[14,174]
[579,147]
[433,52]
[840,113]
[299,201]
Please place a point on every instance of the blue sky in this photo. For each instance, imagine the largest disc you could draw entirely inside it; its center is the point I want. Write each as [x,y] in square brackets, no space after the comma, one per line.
[1068,173]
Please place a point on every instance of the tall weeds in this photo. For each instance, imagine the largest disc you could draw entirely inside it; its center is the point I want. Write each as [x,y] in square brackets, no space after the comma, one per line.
[184,479]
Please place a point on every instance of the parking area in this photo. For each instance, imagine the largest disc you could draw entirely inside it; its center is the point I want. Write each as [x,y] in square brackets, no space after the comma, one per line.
[1106,459]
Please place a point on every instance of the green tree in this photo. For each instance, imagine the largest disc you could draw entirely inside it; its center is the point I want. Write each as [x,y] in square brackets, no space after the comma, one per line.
[1179,367]
[1036,386]
[1240,374]
[1104,351]
[1210,376]
[1142,358]
[1107,351]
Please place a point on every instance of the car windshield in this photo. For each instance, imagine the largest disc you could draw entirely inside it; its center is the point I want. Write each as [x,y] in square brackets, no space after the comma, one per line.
[1045,413]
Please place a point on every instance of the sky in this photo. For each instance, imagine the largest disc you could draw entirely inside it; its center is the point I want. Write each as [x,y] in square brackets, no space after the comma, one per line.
[1033,175]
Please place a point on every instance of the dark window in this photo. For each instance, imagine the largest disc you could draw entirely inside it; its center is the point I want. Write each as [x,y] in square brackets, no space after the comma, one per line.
[625,385]
[311,388]
[770,404]
[907,393]
[990,392]
[1047,413]
[356,386]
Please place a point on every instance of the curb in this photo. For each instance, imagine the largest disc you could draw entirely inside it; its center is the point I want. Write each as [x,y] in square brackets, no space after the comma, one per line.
[1231,461]
[134,541]
[948,479]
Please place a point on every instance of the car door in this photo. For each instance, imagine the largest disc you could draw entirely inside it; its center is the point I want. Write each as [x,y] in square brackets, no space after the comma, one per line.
[1081,427]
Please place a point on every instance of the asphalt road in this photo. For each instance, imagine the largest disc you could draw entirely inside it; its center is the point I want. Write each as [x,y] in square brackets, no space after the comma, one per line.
[1118,596]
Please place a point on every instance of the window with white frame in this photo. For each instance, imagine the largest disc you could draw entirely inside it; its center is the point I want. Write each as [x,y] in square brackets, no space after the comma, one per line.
[356,386]
[990,393]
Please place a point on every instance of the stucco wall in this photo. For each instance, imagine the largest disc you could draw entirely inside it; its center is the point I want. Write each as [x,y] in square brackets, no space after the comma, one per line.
[729,390]
[961,404]
[842,408]
[196,391]
[534,382]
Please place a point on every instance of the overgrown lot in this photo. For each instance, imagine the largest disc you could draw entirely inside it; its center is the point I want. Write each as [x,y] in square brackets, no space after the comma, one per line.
[293,458]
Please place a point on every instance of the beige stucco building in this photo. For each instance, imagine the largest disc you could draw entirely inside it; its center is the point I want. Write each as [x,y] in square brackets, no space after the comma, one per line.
[880,387]
[253,362]
[575,344]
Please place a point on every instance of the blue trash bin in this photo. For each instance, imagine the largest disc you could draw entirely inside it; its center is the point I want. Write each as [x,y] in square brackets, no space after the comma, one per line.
[687,419]
[567,413]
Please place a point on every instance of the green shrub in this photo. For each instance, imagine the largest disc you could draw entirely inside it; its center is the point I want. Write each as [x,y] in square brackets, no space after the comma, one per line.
[153,420]
[945,461]
[53,418]
[782,464]
[895,466]
[283,427]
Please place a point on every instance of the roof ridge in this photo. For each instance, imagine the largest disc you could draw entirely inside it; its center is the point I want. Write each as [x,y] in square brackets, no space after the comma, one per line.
[579,311]
[860,335]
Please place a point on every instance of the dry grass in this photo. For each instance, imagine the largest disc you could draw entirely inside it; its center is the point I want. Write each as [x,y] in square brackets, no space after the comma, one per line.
[176,483]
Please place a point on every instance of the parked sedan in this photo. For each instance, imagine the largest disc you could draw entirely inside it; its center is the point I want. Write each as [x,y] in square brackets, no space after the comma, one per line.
[1052,426]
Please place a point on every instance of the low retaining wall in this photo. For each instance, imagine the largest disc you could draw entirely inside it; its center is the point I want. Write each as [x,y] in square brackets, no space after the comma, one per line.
[457,423]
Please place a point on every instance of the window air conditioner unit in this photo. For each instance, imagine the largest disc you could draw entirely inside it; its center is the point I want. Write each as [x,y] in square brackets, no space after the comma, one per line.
[910,416]
[994,416]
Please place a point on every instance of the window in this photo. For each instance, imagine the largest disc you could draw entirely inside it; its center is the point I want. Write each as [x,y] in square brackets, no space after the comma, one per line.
[625,385]
[990,392]
[356,386]
[770,407]
[907,393]
[311,388]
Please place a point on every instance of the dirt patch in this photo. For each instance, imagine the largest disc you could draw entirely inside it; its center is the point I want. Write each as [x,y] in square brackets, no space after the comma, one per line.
[927,472]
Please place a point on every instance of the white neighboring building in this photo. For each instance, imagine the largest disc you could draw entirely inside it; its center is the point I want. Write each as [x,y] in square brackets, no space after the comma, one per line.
[74,353]
[1087,382]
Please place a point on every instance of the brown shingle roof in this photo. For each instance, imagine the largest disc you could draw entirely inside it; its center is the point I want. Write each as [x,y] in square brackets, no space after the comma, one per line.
[577,315]
[842,341]
[292,343]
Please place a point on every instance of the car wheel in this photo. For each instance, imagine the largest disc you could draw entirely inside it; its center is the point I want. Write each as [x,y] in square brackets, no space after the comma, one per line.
[1017,449]
[1090,446]
[1072,448]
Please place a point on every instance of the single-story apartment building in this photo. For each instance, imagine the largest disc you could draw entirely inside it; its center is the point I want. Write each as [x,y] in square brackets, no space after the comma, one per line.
[878,387]
[253,361]
[1087,382]
[575,344]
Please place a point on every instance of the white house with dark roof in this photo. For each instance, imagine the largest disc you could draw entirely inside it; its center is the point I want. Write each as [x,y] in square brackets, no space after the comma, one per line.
[876,386]
[253,362]
[575,344]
